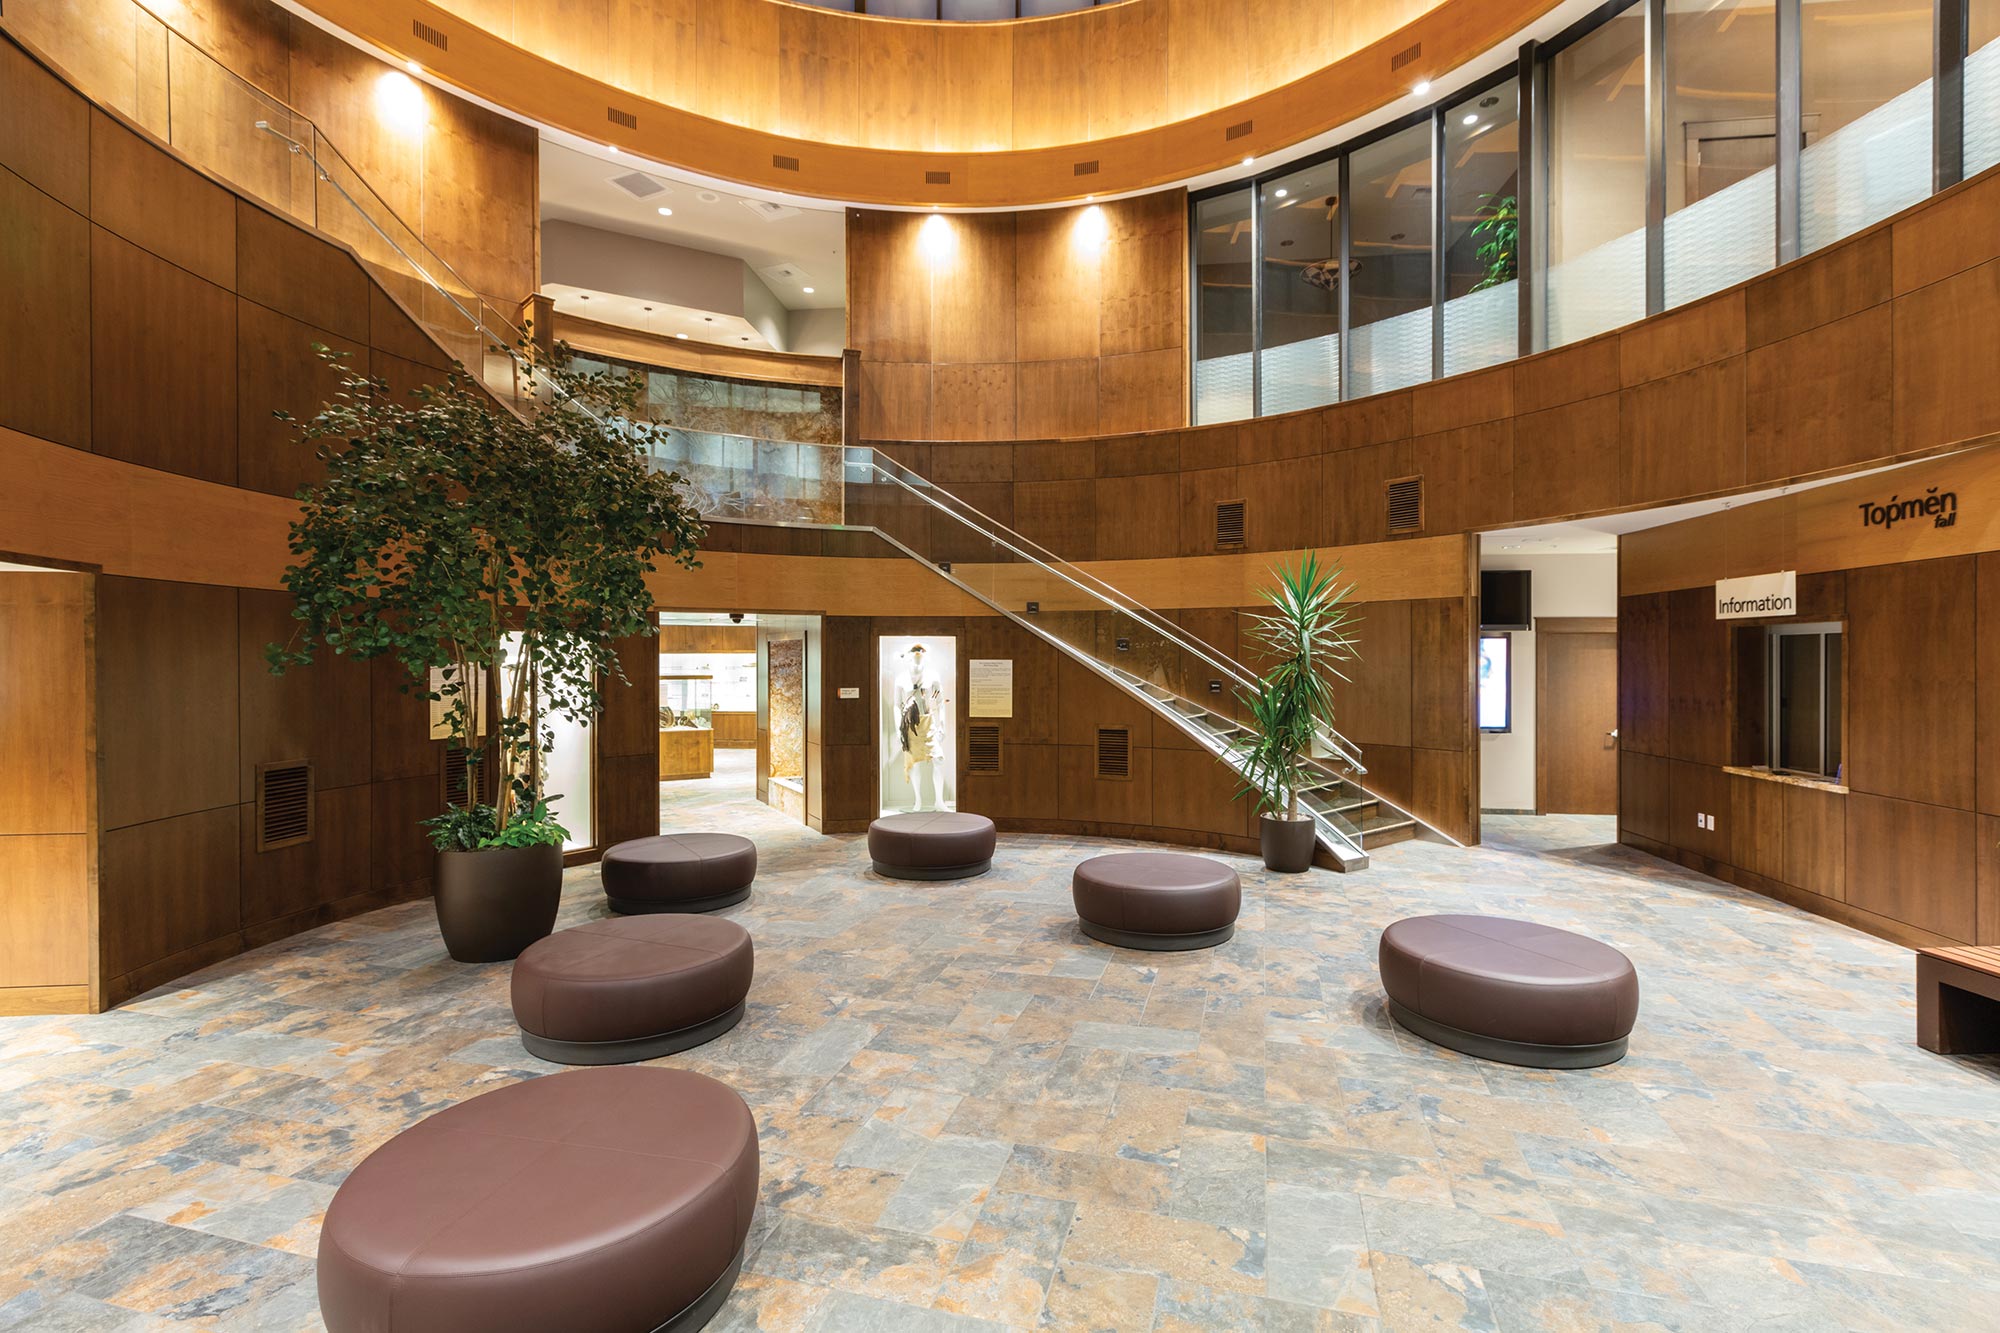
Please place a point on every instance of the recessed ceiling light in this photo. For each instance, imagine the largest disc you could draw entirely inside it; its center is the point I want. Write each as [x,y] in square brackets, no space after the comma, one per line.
[1248,160]
[666,212]
[680,335]
[1279,193]
[613,147]
[1471,118]
[414,67]
[809,291]
[1423,87]
[1486,102]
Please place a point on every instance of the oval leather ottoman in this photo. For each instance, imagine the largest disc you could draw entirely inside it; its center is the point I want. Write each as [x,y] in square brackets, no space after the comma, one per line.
[631,988]
[595,1201]
[679,872]
[1160,901]
[936,844]
[1511,991]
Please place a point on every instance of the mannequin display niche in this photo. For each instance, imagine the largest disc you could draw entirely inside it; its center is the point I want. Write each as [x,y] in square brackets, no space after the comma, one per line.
[919,701]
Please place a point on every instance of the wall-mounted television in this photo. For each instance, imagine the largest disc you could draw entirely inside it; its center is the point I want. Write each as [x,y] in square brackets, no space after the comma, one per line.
[1506,600]
[1496,682]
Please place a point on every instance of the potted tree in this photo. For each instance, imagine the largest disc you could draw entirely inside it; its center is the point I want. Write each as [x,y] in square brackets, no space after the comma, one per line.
[495,557]
[1304,638]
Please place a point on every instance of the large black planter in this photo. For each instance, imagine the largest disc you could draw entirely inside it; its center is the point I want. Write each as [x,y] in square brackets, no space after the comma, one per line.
[493,903]
[1287,843]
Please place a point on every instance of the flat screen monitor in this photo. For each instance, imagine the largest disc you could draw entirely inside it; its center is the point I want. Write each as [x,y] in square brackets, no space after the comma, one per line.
[1505,599]
[1496,682]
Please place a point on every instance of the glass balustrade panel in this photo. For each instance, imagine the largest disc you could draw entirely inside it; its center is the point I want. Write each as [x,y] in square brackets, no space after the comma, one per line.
[1722,145]
[1982,87]
[1389,185]
[1224,269]
[1299,218]
[1597,180]
[1865,103]
[1482,180]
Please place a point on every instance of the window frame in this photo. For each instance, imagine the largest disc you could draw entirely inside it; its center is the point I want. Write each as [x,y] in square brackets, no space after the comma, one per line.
[1831,727]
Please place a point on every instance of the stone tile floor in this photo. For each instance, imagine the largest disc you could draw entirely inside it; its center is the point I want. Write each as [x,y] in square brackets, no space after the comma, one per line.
[974,1118]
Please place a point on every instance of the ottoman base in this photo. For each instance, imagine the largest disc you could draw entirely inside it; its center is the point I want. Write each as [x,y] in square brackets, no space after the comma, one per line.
[632,1050]
[1526,1053]
[708,1303]
[966,871]
[1140,939]
[640,906]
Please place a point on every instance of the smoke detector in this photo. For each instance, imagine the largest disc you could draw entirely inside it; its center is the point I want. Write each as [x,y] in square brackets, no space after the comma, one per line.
[783,273]
[769,211]
[639,185]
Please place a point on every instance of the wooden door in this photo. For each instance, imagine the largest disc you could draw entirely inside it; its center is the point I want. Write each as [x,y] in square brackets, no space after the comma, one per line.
[1576,716]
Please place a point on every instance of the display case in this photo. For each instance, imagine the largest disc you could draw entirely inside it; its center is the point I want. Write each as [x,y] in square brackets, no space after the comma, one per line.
[687,742]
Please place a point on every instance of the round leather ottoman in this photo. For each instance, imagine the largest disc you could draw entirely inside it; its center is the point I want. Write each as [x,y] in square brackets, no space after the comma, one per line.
[594,1201]
[679,872]
[1160,901]
[937,844]
[1511,991]
[631,988]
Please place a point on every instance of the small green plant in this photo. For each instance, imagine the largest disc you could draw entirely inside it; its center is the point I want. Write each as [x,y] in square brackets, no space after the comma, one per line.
[470,828]
[1305,636]
[1499,223]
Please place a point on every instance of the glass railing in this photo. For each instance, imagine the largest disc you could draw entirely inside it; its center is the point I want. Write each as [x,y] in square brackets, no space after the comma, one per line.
[125,57]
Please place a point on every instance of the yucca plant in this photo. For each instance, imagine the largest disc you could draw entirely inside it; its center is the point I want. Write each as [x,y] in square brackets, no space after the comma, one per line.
[1305,636]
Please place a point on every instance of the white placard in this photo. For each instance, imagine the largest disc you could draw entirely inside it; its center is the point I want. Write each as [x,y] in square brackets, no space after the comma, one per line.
[1757,596]
[992,687]
[850,692]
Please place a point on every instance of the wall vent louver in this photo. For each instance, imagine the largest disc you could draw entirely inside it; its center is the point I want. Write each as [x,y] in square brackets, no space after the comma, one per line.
[1084,168]
[1406,504]
[1238,130]
[937,178]
[424,32]
[1114,753]
[455,775]
[784,163]
[1405,56]
[982,748]
[1228,524]
[624,118]
[284,804]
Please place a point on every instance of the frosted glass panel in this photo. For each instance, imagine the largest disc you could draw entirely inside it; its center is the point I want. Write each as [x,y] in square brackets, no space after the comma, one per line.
[1302,374]
[1866,170]
[1481,329]
[1982,97]
[1598,290]
[1222,389]
[1391,353]
[1723,239]
[1597,181]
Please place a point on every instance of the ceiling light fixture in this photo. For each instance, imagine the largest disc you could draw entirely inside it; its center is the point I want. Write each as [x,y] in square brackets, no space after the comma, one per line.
[414,67]
[809,291]
[666,212]
[680,335]
[1471,118]
[1280,193]
[1423,88]
[1248,160]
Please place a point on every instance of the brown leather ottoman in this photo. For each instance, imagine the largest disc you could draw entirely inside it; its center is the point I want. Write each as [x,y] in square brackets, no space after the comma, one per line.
[595,1201]
[679,872]
[1510,991]
[631,988]
[1160,901]
[937,844]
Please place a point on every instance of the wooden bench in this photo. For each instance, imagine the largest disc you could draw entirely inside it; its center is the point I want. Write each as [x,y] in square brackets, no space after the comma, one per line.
[1958,1000]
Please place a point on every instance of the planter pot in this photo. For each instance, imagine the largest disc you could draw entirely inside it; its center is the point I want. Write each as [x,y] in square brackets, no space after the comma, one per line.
[491,904]
[1287,843]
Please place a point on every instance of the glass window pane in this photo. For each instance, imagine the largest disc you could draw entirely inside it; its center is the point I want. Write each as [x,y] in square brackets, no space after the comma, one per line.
[1301,262]
[1482,179]
[1597,181]
[1722,144]
[1222,276]
[1833,679]
[1389,308]
[1866,102]
[1982,87]
[1799,698]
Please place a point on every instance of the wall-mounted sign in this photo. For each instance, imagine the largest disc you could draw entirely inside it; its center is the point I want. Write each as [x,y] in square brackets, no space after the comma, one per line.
[1756,596]
[850,691]
[1940,508]
[992,687]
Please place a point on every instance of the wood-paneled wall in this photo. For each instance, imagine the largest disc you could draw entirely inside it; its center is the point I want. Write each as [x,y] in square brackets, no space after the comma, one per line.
[1006,326]
[1866,352]
[1907,848]
[466,179]
[48,792]
[812,102]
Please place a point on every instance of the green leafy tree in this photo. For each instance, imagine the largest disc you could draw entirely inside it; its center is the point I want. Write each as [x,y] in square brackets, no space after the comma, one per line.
[1305,637]
[446,522]
[1499,224]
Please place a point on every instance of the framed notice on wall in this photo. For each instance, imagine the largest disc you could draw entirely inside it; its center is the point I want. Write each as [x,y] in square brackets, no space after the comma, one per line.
[991,687]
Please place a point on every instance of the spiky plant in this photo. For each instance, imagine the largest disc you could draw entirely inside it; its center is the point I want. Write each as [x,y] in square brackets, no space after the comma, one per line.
[1305,637]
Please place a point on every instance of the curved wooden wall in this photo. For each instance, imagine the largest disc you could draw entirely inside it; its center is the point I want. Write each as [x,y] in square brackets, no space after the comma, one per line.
[835,106]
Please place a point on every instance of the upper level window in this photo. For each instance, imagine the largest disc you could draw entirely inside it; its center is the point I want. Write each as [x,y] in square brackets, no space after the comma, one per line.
[1803,672]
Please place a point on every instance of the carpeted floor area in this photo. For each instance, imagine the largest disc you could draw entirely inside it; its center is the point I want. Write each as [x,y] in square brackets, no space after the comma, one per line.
[973,1117]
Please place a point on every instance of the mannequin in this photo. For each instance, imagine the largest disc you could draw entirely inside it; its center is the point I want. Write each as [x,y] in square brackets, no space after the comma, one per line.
[919,699]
